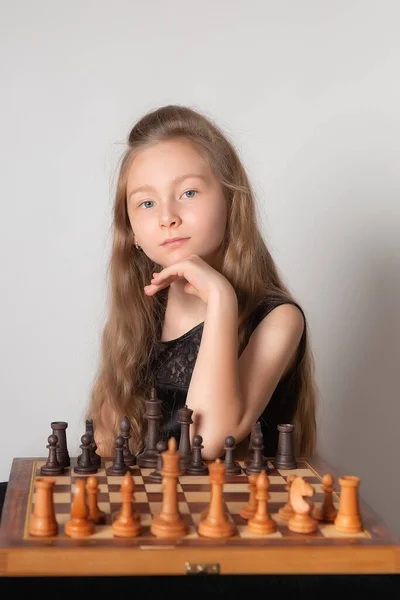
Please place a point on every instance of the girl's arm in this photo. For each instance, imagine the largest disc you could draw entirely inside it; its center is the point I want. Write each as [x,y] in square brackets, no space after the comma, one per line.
[227,394]
[214,390]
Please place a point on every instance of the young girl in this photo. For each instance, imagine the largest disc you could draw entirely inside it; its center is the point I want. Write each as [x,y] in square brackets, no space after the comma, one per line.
[206,321]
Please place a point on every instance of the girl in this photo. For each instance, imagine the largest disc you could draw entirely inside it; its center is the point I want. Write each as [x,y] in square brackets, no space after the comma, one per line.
[206,320]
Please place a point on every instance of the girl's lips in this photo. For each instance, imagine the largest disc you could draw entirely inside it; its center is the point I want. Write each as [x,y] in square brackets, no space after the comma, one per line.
[175,243]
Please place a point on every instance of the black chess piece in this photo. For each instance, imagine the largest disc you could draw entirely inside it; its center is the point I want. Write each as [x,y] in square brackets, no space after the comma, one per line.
[85,465]
[118,466]
[185,420]
[231,466]
[59,429]
[161,447]
[125,428]
[52,466]
[197,466]
[258,463]
[95,458]
[149,456]
[255,430]
[285,458]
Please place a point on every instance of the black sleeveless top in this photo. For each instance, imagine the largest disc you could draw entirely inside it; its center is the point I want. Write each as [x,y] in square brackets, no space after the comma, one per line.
[173,368]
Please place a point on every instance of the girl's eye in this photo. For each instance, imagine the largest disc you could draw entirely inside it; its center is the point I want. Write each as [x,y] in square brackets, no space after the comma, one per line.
[189,191]
[145,202]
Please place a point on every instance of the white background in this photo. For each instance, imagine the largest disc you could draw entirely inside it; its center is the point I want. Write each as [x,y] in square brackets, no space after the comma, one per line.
[308,91]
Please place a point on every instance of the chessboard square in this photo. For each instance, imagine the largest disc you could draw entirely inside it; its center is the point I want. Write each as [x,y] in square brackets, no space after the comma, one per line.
[62,480]
[329,530]
[242,497]
[145,471]
[155,487]
[196,518]
[103,488]
[137,479]
[244,532]
[234,507]
[59,489]
[102,532]
[277,497]
[276,480]
[101,472]
[62,518]
[105,507]
[197,496]
[138,496]
[62,498]
[195,480]
[298,472]
[234,488]
[115,480]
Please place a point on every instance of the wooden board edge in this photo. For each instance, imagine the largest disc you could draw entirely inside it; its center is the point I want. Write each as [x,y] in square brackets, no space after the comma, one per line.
[17,562]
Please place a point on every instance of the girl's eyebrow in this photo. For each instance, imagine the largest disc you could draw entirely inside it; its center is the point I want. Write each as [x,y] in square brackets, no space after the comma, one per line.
[146,187]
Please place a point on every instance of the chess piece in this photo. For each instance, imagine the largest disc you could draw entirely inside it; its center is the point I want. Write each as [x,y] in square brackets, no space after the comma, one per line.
[255,431]
[94,457]
[185,420]
[327,511]
[118,466]
[216,523]
[286,511]
[95,514]
[249,510]
[258,463]
[85,465]
[127,523]
[169,522]
[197,466]
[79,525]
[43,520]
[262,522]
[348,519]
[285,458]
[59,429]
[301,521]
[161,447]
[52,466]
[125,428]
[231,467]
[149,456]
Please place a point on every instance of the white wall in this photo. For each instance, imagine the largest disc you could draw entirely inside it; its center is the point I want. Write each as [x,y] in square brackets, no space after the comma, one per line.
[310,93]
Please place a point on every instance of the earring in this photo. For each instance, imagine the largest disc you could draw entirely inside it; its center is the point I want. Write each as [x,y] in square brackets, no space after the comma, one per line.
[137,246]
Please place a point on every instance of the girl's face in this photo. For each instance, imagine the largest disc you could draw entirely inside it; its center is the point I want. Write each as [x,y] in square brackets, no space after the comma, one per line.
[172,192]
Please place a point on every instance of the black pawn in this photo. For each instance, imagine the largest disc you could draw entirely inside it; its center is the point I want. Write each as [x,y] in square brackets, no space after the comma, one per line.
[197,466]
[285,458]
[118,467]
[258,463]
[95,458]
[52,466]
[231,467]
[85,465]
[125,428]
[161,447]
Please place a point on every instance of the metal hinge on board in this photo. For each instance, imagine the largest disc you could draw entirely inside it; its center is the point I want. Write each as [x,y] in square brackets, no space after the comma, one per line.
[202,568]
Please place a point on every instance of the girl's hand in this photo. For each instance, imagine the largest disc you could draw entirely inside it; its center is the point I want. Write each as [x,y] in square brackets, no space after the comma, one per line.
[201,279]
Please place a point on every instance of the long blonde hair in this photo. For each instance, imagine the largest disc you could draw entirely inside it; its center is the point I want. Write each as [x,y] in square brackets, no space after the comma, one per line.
[133,325]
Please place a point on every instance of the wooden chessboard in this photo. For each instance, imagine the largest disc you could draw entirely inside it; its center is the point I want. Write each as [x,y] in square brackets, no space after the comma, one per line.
[373,550]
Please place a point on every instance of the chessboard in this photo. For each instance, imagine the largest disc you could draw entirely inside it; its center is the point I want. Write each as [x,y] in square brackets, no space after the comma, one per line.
[371,550]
